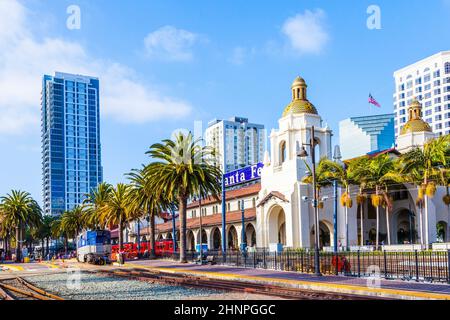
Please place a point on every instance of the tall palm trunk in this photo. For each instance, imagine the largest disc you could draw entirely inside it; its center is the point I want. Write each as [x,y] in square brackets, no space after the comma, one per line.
[347,247]
[377,238]
[120,235]
[6,244]
[66,244]
[346,227]
[138,242]
[387,225]
[18,243]
[362,222]
[182,212]
[427,242]
[421,224]
[47,247]
[152,236]
[448,225]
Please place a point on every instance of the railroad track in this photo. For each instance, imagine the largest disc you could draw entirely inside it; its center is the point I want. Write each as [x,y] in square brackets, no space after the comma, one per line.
[20,289]
[227,285]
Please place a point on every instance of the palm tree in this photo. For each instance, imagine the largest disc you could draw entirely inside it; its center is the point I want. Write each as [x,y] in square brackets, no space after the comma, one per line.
[354,168]
[68,225]
[45,233]
[93,204]
[20,210]
[72,222]
[146,201]
[422,167]
[117,209]
[4,232]
[182,170]
[324,174]
[57,231]
[375,175]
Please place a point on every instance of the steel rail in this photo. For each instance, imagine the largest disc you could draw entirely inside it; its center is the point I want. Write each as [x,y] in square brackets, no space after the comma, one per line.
[32,292]
[24,292]
[5,296]
[38,290]
[226,285]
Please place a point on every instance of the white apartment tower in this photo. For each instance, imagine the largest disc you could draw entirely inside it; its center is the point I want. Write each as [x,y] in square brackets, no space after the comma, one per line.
[428,81]
[237,142]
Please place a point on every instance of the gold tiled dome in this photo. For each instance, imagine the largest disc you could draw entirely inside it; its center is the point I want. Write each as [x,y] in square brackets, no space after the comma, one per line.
[300,103]
[415,122]
[416,126]
[300,106]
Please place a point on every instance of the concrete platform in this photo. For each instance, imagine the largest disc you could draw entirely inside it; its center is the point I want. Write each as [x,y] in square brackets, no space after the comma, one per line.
[392,289]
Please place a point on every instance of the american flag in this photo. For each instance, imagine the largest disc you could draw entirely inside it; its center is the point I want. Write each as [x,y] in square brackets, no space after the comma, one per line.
[373,101]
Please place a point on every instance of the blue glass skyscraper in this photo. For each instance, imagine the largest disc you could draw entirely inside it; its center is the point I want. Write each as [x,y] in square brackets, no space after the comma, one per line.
[71,150]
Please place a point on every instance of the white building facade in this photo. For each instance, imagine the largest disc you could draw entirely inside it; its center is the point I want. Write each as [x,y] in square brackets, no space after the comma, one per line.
[282,216]
[285,213]
[279,210]
[237,142]
[429,81]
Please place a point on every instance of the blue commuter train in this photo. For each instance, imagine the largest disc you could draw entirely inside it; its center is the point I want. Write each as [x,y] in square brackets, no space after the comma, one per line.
[94,247]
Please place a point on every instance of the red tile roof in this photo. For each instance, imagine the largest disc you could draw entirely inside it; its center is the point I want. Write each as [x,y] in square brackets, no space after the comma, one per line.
[232,194]
[207,221]
[374,154]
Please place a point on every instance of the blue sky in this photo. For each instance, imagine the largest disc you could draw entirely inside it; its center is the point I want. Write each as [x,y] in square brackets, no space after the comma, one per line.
[164,64]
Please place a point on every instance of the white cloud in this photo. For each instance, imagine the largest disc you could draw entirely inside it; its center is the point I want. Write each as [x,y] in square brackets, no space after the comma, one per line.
[306,32]
[240,55]
[24,60]
[170,43]
[133,102]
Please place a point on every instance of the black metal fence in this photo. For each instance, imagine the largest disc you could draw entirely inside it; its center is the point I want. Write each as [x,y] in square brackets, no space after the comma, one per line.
[423,266]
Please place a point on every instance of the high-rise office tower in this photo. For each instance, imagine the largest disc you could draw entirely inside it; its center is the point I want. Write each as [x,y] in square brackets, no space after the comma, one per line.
[428,81]
[71,150]
[237,142]
[361,135]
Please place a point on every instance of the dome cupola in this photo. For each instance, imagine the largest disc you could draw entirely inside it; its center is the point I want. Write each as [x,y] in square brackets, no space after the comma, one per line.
[300,103]
[415,122]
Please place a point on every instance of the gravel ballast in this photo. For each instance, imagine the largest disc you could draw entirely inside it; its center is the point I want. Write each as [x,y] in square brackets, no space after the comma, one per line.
[99,287]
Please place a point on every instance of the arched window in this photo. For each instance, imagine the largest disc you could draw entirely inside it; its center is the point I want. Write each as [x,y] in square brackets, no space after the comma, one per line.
[282,152]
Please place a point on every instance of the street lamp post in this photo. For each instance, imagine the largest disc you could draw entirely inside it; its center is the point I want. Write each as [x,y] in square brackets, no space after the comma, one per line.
[224,202]
[243,238]
[201,229]
[303,154]
[335,207]
[139,238]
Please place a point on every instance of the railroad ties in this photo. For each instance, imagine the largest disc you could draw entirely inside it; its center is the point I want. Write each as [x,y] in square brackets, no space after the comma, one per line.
[20,289]
[226,285]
